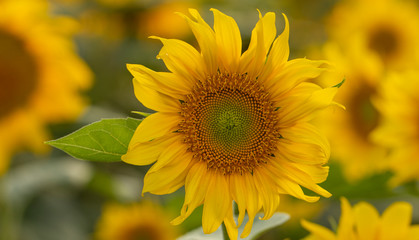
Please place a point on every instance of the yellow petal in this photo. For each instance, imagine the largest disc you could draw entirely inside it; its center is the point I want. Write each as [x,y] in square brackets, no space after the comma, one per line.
[163,82]
[217,202]
[286,186]
[291,74]
[196,185]
[317,172]
[253,203]
[168,178]
[413,233]
[303,136]
[253,60]
[146,153]
[239,193]
[396,220]
[157,125]
[311,155]
[170,156]
[267,193]
[346,221]
[154,100]
[366,221]
[279,53]
[306,109]
[231,227]
[206,40]
[228,39]
[319,231]
[245,195]
[284,168]
[182,59]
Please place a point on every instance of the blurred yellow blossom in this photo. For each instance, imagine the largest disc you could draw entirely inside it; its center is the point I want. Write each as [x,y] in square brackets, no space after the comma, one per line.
[40,75]
[363,222]
[398,103]
[133,19]
[386,29]
[163,21]
[144,220]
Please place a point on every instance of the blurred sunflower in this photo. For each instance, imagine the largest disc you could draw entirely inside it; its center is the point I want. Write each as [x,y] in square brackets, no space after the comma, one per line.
[231,126]
[363,222]
[161,20]
[398,103]
[387,29]
[145,221]
[356,152]
[40,76]
[117,20]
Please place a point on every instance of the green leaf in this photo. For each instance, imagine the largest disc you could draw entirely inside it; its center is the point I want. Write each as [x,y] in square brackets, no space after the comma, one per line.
[340,84]
[105,141]
[143,114]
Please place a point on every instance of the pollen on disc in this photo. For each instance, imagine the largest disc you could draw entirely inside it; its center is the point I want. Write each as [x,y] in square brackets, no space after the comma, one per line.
[230,123]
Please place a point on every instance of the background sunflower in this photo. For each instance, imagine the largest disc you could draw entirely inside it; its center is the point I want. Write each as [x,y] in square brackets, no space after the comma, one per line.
[41,76]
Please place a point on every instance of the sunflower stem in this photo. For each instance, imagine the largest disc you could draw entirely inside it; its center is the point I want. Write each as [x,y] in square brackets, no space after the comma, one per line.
[225,234]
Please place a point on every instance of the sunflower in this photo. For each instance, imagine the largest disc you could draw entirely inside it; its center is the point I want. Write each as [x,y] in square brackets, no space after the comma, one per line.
[40,76]
[398,102]
[161,20]
[387,29]
[145,221]
[116,20]
[231,126]
[363,222]
[358,155]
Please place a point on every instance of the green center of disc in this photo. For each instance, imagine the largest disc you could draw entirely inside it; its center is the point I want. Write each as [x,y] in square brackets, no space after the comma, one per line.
[229,124]
[227,120]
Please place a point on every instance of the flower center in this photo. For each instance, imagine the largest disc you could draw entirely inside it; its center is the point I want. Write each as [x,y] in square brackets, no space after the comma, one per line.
[230,123]
[384,41]
[363,114]
[18,74]
[141,232]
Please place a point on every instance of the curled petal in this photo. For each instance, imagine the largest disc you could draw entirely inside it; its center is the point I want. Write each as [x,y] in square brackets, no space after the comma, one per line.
[156,125]
[145,153]
[182,59]
[155,100]
[253,60]
[206,40]
[163,82]
[228,39]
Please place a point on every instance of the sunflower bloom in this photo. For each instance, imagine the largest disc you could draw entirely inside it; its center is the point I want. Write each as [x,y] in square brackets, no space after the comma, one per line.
[364,222]
[398,103]
[134,221]
[40,76]
[386,29]
[231,126]
[161,20]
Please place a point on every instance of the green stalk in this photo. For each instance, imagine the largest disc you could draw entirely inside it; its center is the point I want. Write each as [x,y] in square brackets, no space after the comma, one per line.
[225,234]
